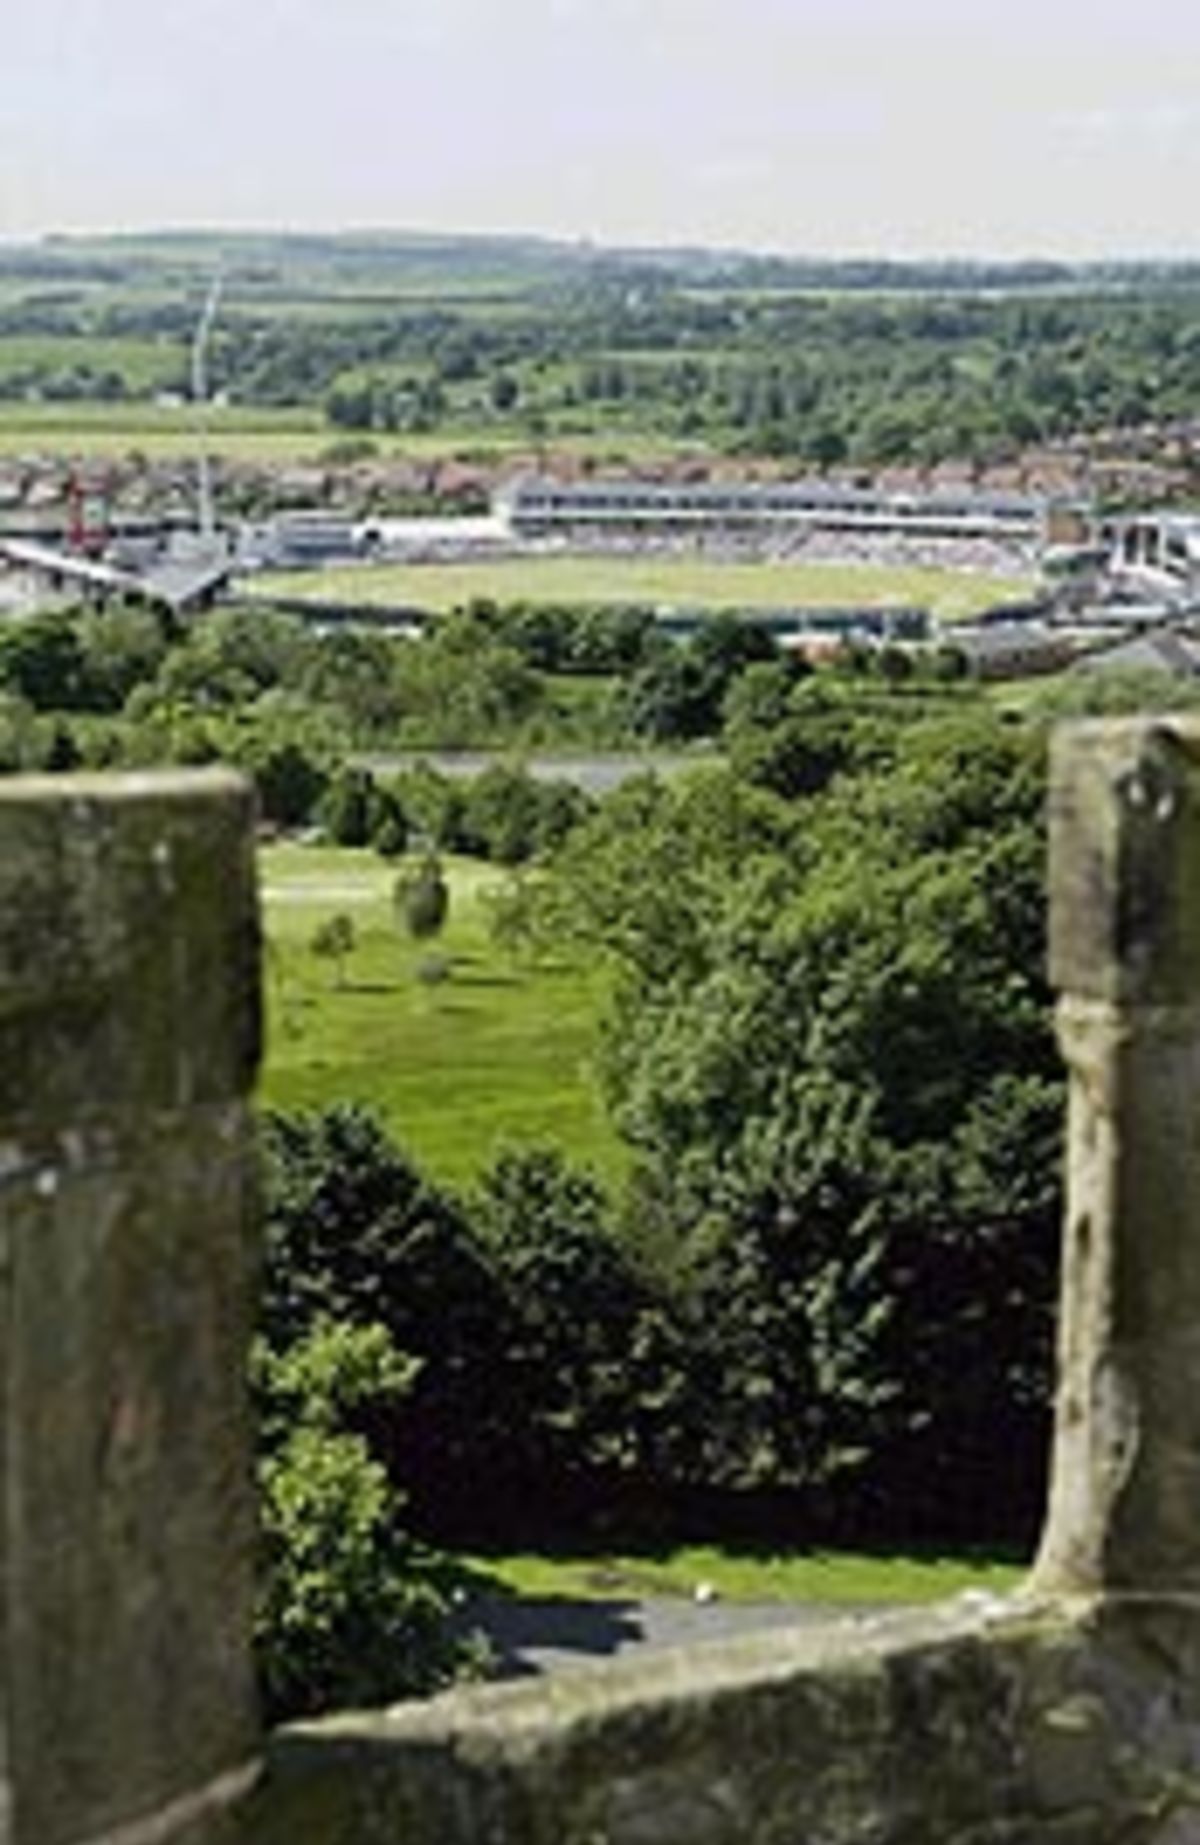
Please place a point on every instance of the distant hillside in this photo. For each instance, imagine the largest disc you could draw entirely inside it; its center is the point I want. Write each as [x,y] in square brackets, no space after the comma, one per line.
[417,261]
[471,343]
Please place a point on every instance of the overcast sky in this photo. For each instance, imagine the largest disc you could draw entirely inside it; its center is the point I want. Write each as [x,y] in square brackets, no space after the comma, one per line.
[915,127]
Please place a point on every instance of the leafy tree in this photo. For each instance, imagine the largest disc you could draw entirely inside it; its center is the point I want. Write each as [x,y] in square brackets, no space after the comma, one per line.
[42,661]
[668,699]
[759,698]
[433,806]
[459,685]
[351,1611]
[504,391]
[421,898]
[387,823]
[680,690]
[355,1234]
[894,665]
[333,940]
[232,656]
[818,1037]
[359,674]
[122,647]
[501,814]
[289,780]
[591,1359]
[345,808]
[19,733]
[791,736]
[62,752]
[550,1382]
[351,406]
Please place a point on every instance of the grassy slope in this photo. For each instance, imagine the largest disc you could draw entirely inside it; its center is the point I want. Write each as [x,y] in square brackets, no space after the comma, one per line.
[495,1054]
[648,579]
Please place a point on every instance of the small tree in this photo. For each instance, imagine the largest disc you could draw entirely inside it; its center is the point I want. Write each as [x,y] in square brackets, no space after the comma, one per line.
[350,1609]
[421,898]
[333,940]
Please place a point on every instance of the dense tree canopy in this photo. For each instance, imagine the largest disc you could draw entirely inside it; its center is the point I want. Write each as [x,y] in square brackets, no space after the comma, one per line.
[832,1053]
[831,1278]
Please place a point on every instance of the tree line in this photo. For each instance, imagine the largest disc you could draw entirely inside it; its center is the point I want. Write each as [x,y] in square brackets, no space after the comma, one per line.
[128,687]
[947,367]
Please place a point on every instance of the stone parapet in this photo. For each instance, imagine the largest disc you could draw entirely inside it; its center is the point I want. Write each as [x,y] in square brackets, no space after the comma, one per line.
[1013,1723]
[1068,1714]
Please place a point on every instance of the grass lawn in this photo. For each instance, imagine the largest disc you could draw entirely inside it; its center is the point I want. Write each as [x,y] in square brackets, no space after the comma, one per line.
[659,580]
[250,432]
[803,1576]
[495,1054]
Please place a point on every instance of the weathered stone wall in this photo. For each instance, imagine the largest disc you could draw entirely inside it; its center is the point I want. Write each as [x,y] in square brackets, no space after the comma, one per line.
[1066,1715]
[1014,1726]
[128,1036]
[1125,955]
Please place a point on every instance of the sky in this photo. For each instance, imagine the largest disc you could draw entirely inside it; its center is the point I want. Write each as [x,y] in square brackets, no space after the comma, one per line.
[885,127]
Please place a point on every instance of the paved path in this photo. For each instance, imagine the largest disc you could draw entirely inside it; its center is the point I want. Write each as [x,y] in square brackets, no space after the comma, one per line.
[530,1634]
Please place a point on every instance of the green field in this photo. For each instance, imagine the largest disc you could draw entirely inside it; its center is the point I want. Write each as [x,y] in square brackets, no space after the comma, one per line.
[112,430]
[678,582]
[143,363]
[494,1054]
[822,1577]
[252,432]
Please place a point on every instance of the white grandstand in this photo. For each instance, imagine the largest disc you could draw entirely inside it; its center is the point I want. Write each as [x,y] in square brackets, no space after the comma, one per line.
[1161,547]
[535,508]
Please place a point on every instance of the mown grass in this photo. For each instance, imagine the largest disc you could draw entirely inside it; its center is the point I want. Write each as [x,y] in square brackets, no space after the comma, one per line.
[495,1054]
[658,580]
[832,1577]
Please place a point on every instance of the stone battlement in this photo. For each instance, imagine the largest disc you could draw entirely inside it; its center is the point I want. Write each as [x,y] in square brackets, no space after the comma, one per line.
[1068,1713]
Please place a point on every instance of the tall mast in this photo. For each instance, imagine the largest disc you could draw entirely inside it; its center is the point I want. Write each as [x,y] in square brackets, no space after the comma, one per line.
[200,399]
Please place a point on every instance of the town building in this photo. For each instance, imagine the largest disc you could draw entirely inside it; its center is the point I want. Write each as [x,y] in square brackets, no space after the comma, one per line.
[539,508]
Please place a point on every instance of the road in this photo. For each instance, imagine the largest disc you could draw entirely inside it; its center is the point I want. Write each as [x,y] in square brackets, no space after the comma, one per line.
[595,774]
